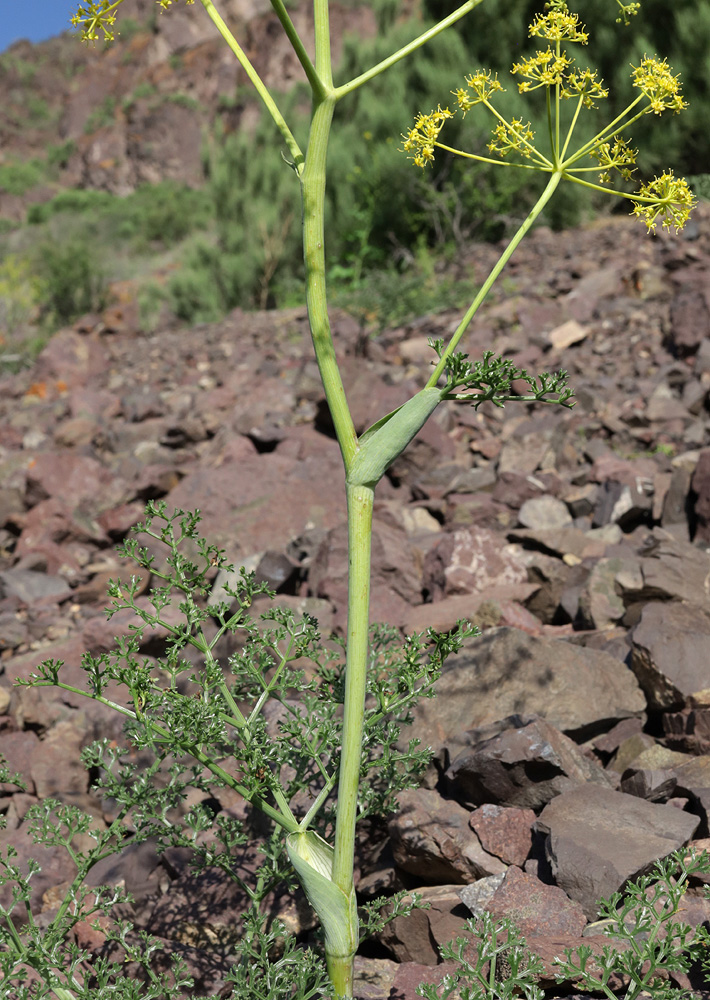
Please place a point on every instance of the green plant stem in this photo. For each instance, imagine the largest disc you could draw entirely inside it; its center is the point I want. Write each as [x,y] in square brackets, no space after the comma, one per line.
[492,277]
[360,504]
[298,47]
[259,85]
[313,194]
[347,88]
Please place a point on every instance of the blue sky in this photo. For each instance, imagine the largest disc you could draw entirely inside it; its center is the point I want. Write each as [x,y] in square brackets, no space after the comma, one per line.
[34,19]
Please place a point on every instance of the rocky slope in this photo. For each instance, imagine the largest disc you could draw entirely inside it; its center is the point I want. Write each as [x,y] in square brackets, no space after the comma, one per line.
[134,112]
[571,739]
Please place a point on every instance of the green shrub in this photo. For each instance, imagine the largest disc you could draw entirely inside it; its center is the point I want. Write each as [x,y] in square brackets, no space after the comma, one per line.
[17,178]
[59,155]
[71,282]
[78,201]
[182,100]
[152,297]
[161,213]
[168,211]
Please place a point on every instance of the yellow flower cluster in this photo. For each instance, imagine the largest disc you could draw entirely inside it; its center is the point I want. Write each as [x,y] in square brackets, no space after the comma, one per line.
[559,25]
[669,198]
[483,84]
[583,83]
[666,197]
[544,69]
[656,82]
[96,18]
[619,156]
[512,135]
[421,139]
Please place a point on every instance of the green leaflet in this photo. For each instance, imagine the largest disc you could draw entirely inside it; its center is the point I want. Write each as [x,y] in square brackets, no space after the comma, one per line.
[389,436]
[312,858]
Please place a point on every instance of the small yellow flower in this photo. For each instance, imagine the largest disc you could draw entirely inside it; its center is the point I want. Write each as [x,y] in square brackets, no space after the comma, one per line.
[583,83]
[668,198]
[559,25]
[421,139]
[545,69]
[513,135]
[93,17]
[483,83]
[654,79]
[619,157]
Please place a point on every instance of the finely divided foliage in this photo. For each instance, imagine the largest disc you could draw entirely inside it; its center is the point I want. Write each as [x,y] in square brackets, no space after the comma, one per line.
[304,728]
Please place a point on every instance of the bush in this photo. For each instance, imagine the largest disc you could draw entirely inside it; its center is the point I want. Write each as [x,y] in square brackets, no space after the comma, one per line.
[71,282]
[159,213]
[17,178]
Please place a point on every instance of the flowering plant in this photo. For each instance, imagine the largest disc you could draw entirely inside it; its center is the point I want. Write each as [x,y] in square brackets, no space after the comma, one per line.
[328,748]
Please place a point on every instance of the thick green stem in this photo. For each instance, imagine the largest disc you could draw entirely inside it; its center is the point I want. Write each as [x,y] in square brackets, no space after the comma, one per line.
[490,280]
[360,504]
[313,192]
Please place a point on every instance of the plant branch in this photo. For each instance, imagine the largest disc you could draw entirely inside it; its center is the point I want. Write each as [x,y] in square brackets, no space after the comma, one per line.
[348,88]
[313,193]
[488,283]
[260,87]
[298,47]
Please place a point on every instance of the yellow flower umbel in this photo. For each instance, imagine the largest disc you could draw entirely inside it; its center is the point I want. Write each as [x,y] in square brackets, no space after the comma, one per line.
[421,139]
[96,18]
[553,71]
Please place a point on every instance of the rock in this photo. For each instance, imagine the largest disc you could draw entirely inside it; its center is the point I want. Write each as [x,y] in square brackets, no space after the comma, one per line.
[478,894]
[700,485]
[505,671]
[432,840]
[544,513]
[567,334]
[264,501]
[420,935]
[443,615]
[373,977]
[64,742]
[410,975]
[597,839]
[471,562]
[201,910]
[536,909]
[693,780]
[569,542]
[629,750]
[505,832]
[624,505]
[17,749]
[601,601]
[55,864]
[34,588]
[525,765]
[674,570]
[688,730]
[395,582]
[610,742]
[689,322]
[5,699]
[669,653]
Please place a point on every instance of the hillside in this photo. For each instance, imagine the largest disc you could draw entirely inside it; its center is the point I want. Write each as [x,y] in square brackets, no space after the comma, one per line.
[115,117]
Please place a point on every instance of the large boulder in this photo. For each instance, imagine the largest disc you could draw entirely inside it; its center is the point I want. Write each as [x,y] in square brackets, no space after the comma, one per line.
[505,671]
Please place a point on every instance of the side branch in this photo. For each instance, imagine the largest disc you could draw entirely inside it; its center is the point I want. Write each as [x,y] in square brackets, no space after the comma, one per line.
[402,53]
[259,85]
